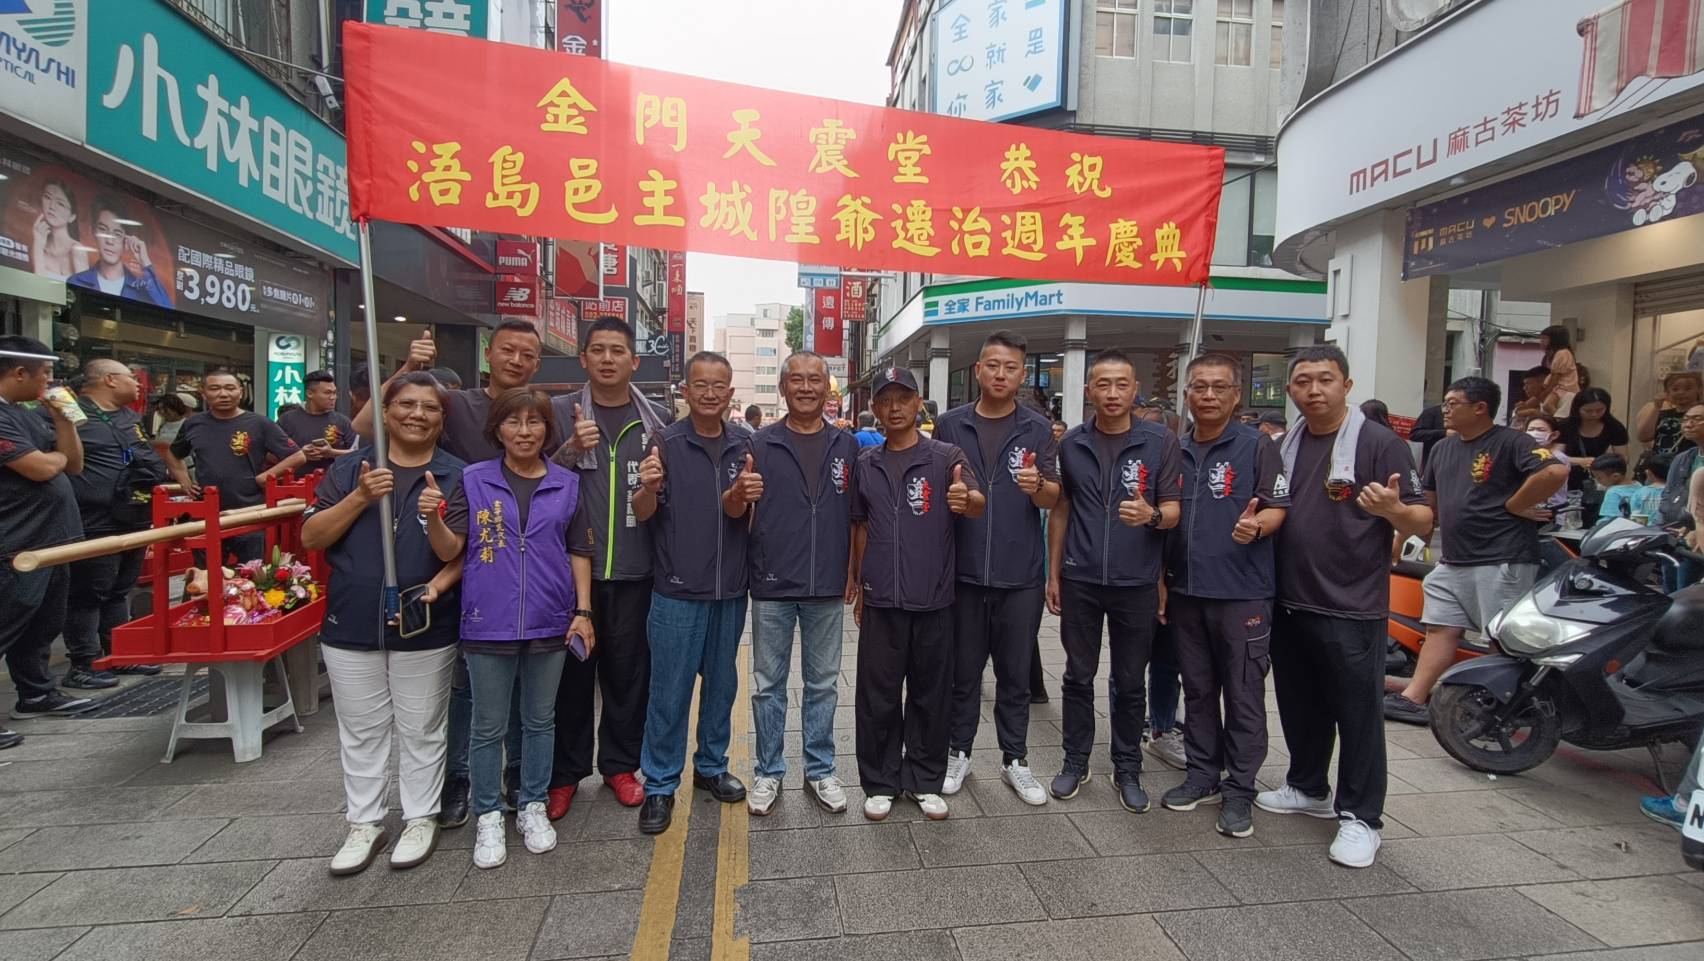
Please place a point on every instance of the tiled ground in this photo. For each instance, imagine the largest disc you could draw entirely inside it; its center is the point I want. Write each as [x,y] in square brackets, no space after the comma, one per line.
[107,854]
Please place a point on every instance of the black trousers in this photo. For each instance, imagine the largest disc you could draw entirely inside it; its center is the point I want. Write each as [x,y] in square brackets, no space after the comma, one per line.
[620,670]
[992,621]
[1329,675]
[32,614]
[902,746]
[1130,614]
[1224,649]
[100,603]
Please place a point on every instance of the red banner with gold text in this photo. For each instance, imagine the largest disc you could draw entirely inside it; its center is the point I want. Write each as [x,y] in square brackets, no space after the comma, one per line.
[453,131]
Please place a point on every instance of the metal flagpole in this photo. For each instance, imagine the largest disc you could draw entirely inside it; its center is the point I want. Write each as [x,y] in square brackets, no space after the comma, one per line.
[381,460]
[1194,344]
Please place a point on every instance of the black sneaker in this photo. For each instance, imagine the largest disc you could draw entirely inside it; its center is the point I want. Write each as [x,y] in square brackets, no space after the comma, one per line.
[52,704]
[9,739]
[1236,818]
[1039,696]
[656,813]
[1399,708]
[1188,796]
[138,670]
[723,787]
[1130,793]
[512,788]
[89,679]
[1069,781]
[452,804]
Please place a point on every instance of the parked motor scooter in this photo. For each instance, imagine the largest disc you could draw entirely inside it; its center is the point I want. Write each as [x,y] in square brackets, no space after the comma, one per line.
[1404,629]
[1595,654]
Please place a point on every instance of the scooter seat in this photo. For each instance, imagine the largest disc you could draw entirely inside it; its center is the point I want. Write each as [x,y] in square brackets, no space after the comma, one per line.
[1680,631]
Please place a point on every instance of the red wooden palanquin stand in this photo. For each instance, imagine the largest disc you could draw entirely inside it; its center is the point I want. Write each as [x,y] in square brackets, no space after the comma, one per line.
[239,653]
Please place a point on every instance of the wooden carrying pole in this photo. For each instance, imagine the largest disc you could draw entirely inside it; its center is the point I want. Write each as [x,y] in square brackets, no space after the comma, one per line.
[27,561]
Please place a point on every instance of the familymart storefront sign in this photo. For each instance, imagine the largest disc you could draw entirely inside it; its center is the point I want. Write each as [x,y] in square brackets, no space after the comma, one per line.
[1286,301]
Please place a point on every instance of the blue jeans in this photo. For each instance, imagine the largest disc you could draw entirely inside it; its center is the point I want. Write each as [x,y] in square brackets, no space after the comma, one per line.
[461,718]
[689,639]
[819,624]
[492,680]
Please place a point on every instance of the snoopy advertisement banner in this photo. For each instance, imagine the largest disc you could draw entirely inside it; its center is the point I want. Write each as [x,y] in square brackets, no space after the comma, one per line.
[1625,186]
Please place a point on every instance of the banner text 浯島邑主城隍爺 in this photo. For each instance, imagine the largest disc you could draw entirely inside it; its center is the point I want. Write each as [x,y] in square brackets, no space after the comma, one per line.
[545,144]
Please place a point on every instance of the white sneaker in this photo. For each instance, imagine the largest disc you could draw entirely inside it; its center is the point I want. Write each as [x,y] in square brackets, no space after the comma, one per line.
[958,768]
[364,843]
[1356,844]
[830,793]
[1018,775]
[419,837]
[1288,800]
[877,806]
[760,800]
[934,806]
[535,828]
[490,848]
[1168,748]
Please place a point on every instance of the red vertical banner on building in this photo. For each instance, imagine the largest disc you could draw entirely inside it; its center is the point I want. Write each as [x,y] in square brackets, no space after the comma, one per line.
[826,304]
[579,27]
[677,292]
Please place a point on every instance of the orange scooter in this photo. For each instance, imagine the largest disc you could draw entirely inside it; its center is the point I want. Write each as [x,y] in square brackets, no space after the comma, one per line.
[1408,600]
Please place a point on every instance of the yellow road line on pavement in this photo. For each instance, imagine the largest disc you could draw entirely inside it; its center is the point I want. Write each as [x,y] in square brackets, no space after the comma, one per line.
[733,850]
[662,883]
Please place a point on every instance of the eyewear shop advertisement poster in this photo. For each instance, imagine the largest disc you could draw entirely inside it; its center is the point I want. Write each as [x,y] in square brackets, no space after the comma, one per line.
[60,224]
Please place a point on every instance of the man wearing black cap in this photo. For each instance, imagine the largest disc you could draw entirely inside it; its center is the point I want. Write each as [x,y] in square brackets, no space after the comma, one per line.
[1271,423]
[904,564]
[36,464]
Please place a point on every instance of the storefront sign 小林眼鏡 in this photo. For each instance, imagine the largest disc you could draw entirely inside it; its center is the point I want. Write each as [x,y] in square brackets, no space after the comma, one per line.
[539,143]
[286,371]
[166,98]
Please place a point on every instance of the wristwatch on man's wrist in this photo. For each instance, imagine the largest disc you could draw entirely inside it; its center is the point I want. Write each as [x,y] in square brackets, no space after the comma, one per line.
[583,612]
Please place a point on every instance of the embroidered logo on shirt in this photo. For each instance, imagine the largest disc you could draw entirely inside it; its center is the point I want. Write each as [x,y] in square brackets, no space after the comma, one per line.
[1339,490]
[1221,477]
[837,474]
[1414,478]
[1281,486]
[917,494]
[330,434]
[1015,461]
[1253,622]
[1543,453]
[1480,469]
[6,447]
[240,443]
[1134,476]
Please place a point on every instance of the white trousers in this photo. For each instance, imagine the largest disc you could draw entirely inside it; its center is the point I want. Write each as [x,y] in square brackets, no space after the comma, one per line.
[381,692]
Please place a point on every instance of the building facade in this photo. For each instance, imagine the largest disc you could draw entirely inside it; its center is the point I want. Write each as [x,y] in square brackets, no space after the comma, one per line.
[1164,70]
[1441,166]
[755,344]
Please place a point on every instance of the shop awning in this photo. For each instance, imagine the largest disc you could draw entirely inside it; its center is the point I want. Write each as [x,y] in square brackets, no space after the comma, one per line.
[20,283]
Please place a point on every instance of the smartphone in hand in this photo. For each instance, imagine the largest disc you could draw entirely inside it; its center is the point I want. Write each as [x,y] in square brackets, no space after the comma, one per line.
[577,647]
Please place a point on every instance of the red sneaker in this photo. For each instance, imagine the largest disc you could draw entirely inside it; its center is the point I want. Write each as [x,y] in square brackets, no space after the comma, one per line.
[561,798]
[627,789]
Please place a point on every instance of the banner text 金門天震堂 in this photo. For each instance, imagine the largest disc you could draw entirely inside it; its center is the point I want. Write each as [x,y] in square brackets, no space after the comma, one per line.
[446,130]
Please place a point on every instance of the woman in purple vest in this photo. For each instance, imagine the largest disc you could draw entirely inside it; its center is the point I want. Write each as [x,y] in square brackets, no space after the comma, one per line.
[523,585]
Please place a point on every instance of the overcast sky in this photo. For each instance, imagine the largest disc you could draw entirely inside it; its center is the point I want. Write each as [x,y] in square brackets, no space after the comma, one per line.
[827,48]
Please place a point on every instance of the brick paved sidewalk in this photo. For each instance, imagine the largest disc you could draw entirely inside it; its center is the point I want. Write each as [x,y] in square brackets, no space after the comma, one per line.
[107,854]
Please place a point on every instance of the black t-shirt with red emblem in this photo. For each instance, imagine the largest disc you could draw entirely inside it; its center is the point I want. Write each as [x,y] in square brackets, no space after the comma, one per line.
[1333,557]
[1472,479]
[229,453]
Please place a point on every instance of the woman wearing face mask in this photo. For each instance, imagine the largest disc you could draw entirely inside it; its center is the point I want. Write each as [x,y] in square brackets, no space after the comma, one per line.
[1546,432]
[56,252]
[1589,431]
[525,588]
